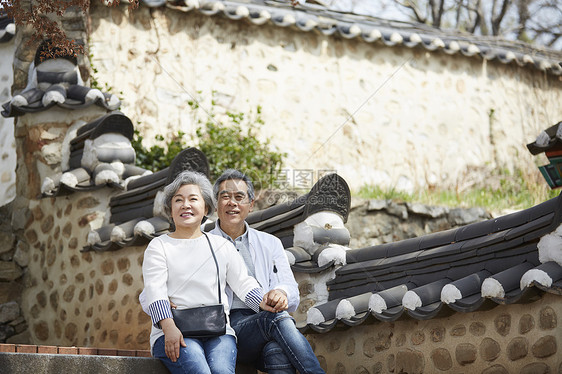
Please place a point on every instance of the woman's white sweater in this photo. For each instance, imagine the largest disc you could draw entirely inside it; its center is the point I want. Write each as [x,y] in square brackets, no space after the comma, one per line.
[184,272]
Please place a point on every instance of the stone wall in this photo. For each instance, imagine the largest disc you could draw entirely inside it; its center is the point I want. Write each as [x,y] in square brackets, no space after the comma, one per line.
[7,141]
[437,117]
[518,338]
[90,299]
[374,222]
[68,297]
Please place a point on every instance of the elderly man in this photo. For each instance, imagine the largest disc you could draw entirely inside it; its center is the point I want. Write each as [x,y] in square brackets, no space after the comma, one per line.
[270,341]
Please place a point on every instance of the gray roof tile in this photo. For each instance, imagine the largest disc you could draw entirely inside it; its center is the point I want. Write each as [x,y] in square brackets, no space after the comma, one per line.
[309,17]
[497,254]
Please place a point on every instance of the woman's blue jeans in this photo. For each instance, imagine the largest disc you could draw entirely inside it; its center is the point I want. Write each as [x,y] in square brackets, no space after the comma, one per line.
[201,356]
[272,338]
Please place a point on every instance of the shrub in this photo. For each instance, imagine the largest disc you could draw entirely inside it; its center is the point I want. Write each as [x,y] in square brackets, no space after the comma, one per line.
[232,144]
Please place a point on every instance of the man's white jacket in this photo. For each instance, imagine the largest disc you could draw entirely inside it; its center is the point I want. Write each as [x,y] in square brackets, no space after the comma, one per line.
[272,268]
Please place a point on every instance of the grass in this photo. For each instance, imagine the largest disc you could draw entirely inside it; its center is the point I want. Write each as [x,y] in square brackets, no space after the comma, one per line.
[499,191]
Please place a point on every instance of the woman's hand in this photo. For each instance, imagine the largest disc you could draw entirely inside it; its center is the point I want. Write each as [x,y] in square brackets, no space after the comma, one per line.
[173,339]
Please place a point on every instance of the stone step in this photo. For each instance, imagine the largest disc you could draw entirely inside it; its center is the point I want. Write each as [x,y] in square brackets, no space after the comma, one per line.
[25,358]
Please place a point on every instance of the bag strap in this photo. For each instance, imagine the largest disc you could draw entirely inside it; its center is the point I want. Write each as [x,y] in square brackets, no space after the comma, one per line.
[217,265]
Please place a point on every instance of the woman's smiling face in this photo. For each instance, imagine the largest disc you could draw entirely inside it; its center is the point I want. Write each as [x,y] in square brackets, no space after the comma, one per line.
[188,207]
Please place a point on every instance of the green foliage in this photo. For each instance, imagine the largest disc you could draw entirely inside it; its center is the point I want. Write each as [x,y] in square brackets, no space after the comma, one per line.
[94,81]
[518,190]
[158,157]
[236,146]
[232,144]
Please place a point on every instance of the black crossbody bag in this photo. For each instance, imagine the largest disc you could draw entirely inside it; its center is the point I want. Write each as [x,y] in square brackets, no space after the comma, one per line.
[204,321]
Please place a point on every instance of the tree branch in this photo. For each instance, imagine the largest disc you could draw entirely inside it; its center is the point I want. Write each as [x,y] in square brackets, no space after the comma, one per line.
[436,12]
[496,20]
[410,5]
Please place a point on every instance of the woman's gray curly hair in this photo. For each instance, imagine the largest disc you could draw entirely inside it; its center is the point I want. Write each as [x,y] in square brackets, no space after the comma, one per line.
[189,177]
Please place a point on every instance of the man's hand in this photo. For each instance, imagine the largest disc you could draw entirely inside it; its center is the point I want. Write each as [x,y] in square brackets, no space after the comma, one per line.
[276,299]
[173,339]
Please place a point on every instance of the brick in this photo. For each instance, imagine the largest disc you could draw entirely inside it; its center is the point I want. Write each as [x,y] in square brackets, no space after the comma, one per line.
[107,352]
[11,348]
[48,349]
[126,352]
[68,350]
[143,353]
[26,348]
[87,351]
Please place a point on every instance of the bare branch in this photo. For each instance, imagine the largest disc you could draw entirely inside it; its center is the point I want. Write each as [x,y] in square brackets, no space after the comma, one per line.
[436,11]
[417,13]
[497,19]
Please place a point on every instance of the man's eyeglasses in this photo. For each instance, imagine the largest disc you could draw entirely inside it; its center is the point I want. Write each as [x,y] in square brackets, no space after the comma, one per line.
[235,197]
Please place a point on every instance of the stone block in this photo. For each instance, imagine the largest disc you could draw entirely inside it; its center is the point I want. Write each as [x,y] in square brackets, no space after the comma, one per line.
[375,205]
[10,291]
[88,351]
[535,368]
[9,311]
[398,210]
[68,350]
[390,363]
[19,363]
[26,348]
[545,347]
[442,359]
[6,241]
[7,348]
[477,328]
[21,256]
[489,349]
[458,330]
[6,331]
[426,210]
[410,361]
[526,323]
[465,353]
[47,349]
[502,323]
[418,337]
[517,348]
[51,153]
[9,271]
[20,218]
[466,216]
[143,353]
[126,352]
[350,347]
[548,319]
[107,352]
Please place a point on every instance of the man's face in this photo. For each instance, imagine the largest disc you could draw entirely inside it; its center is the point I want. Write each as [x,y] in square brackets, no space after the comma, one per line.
[233,203]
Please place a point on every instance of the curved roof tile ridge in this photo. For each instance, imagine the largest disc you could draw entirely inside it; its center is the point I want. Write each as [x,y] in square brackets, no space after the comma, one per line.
[7,28]
[125,228]
[100,154]
[509,259]
[56,82]
[307,17]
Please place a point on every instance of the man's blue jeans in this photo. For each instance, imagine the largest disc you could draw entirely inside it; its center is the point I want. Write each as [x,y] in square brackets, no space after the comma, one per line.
[201,356]
[270,339]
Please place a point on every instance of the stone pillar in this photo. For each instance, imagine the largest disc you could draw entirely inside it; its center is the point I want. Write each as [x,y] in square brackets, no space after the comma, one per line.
[37,143]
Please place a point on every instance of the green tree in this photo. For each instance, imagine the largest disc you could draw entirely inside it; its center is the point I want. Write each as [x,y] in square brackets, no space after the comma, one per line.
[228,143]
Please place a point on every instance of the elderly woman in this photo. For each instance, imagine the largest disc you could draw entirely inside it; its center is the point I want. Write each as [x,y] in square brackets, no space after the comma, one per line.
[179,268]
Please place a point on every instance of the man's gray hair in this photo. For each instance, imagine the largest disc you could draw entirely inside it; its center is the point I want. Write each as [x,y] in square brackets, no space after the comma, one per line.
[233,174]
[189,177]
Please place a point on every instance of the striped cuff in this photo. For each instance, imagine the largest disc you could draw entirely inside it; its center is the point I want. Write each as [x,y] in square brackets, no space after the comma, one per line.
[159,310]
[254,298]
